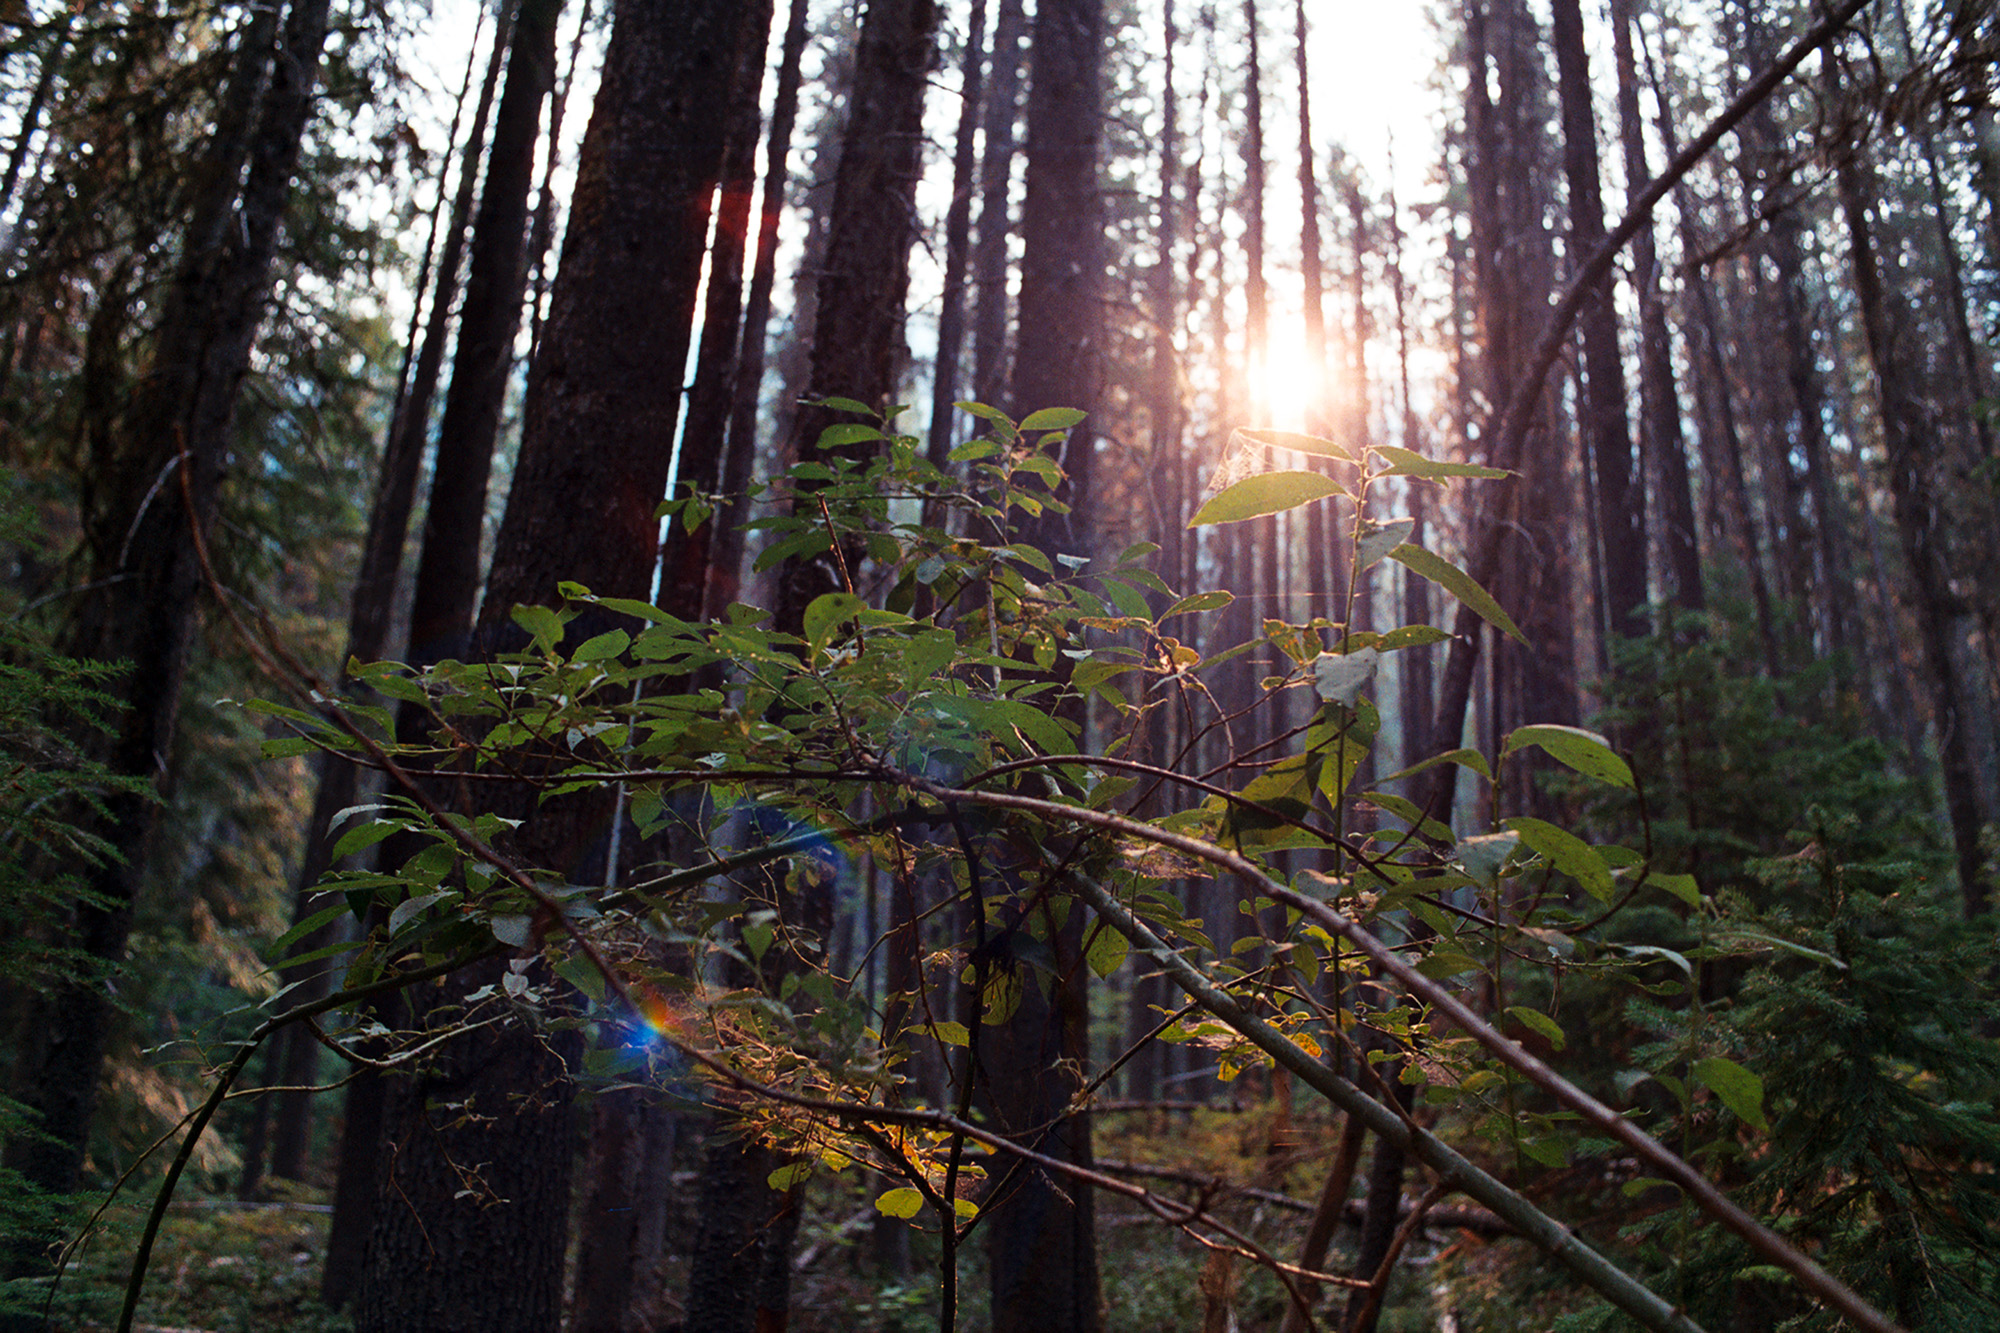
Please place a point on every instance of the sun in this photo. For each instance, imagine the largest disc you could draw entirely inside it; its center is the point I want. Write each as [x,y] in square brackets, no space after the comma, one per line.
[1293,386]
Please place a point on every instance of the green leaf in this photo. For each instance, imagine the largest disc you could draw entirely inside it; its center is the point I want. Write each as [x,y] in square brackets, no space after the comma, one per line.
[410,908]
[1412,636]
[1304,444]
[581,973]
[1471,759]
[1042,731]
[637,609]
[903,1202]
[848,433]
[305,928]
[361,837]
[1459,584]
[973,450]
[1682,887]
[847,405]
[1201,601]
[544,626]
[1481,857]
[289,747]
[1443,964]
[1408,463]
[1740,1090]
[1378,539]
[1585,751]
[826,613]
[792,1173]
[1537,1021]
[604,646]
[1052,418]
[951,1034]
[516,930]
[1106,950]
[1266,493]
[1566,852]
[1002,996]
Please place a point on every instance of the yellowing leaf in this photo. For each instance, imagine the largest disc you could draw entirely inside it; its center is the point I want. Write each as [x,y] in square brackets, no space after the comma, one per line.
[904,1203]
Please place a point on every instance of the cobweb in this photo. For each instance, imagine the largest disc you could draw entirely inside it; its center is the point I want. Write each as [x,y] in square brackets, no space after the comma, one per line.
[1244,457]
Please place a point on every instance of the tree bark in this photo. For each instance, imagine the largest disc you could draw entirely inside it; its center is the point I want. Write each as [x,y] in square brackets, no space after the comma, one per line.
[369,622]
[1041,1236]
[858,348]
[996,193]
[1911,443]
[725,566]
[596,431]
[1663,444]
[946,374]
[157,478]
[1606,424]
[685,556]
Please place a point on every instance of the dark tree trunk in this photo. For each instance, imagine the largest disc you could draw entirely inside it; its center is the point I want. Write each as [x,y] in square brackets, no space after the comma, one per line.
[621,1239]
[1911,442]
[1722,440]
[1414,678]
[446,590]
[1320,540]
[1606,424]
[996,192]
[543,234]
[685,556]
[1663,445]
[597,424]
[857,349]
[725,563]
[368,627]
[946,374]
[742,1269]
[1041,1241]
[1041,1236]
[156,480]
[495,284]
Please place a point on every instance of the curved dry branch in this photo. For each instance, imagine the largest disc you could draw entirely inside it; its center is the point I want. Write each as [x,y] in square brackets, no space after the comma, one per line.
[1452,1168]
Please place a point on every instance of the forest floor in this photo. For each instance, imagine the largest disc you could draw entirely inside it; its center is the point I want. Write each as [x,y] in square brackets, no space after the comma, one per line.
[220,1266]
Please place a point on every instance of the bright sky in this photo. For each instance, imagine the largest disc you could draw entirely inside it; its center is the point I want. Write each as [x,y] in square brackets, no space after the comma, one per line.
[1372,64]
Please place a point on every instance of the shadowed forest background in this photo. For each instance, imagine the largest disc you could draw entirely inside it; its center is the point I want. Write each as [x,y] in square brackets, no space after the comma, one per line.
[726,665]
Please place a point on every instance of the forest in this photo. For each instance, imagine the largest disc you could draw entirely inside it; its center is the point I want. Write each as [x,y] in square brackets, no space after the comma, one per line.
[999,666]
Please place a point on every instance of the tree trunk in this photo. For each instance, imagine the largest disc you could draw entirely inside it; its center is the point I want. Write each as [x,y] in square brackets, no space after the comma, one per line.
[1606,425]
[156,481]
[370,614]
[1911,443]
[685,556]
[996,192]
[1041,1235]
[858,350]
[945,375]
[1663,445]
[725,565]
[592,468]
[621,1237]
